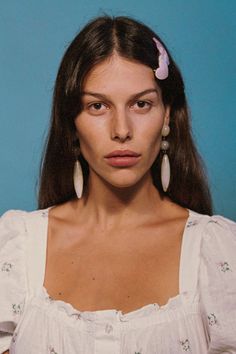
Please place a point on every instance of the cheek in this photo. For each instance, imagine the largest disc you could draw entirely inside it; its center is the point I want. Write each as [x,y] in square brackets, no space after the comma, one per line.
[152,137]
[86,146]
[154,146]
[89,138]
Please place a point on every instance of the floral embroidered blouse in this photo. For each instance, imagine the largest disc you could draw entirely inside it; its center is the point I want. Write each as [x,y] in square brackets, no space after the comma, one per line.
[200,320]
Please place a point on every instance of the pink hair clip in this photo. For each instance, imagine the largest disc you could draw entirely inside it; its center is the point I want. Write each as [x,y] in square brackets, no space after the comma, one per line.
[162,71]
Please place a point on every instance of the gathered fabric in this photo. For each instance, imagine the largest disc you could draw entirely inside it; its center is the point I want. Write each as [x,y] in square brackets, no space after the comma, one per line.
[201,319]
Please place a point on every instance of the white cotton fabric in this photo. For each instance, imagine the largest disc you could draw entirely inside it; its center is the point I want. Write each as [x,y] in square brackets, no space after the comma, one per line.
[200,320]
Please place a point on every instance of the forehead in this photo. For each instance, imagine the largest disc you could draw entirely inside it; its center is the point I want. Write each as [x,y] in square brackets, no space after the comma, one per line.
[119,74]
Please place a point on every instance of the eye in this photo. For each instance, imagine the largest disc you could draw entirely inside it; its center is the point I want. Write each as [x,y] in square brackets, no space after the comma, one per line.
[97,108]
[142,106]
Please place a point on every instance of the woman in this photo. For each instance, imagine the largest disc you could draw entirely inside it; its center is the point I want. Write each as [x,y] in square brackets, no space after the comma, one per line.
[121,256]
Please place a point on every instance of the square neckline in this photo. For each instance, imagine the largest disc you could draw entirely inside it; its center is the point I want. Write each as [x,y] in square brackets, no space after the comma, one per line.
[70,309]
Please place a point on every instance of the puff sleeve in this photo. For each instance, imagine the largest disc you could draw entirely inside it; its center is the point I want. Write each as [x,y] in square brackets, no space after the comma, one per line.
[217,284]
[12,274]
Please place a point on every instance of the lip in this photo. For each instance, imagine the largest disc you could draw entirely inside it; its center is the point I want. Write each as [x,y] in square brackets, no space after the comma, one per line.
[122,153]
[126,158]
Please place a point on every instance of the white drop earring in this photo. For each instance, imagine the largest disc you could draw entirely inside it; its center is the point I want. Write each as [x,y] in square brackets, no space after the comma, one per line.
[165,164]
[78,179]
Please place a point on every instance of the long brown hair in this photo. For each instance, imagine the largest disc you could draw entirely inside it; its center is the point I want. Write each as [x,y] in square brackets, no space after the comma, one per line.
[134,41]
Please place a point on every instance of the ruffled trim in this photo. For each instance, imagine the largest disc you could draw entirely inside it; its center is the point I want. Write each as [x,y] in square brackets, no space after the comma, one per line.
[164,313]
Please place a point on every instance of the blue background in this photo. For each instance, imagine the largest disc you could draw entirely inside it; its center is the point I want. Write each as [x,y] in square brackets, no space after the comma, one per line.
[33,36]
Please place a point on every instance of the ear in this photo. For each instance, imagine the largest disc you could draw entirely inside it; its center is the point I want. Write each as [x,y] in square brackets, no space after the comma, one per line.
[167,116]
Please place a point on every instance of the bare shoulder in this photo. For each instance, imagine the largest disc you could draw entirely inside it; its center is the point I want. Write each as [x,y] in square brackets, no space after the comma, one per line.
[62,215]
[171,215]
[63,211]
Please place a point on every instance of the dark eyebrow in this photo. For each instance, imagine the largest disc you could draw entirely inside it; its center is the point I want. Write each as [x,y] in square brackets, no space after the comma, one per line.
[133,97]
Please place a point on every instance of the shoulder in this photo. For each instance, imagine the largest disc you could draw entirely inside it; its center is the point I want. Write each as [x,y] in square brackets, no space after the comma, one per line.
[14,244]
[214,228]
[219,226]
[217,280]
[212,241]
[13,277]
[16,219]
[217,235]
[14,225]
[11,227]
[218,238]
[218,250]
[14,214]
[217,256]
[12,217]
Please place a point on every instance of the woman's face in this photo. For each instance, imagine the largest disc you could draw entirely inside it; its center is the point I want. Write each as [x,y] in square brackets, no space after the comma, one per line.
[123,114]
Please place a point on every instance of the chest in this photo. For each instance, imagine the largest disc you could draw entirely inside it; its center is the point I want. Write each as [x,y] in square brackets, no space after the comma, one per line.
[122,272]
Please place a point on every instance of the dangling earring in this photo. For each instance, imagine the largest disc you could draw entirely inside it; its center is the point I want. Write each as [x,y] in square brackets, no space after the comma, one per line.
[165,164]
[78,177]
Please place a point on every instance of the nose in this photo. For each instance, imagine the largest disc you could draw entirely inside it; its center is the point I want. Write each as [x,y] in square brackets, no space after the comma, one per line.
[121,126]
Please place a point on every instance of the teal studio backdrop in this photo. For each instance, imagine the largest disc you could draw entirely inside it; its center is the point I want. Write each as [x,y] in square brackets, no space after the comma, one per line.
[33,36]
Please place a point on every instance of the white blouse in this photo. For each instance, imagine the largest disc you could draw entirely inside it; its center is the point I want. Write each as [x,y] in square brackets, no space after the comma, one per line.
[201,319]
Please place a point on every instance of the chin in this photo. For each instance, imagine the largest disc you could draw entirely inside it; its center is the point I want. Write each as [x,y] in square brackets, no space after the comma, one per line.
[122,178]
[123,185]
[125,182]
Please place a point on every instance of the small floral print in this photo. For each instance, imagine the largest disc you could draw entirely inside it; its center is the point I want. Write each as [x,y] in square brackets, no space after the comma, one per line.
[17,309]
[108,328]
[44,213]
[224,267]
[212,319]
[76,316]
[49,299]
[52,350]
[213,221]
[192,223]
[6,267]
[185,345]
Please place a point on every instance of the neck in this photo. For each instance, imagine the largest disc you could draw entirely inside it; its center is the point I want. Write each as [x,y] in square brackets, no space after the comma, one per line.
[107,206]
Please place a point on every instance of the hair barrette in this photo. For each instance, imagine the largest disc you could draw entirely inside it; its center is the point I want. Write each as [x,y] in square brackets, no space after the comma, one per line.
[162,71]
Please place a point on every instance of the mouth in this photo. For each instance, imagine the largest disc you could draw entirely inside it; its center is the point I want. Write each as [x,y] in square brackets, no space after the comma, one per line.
[122,158]
[122,153]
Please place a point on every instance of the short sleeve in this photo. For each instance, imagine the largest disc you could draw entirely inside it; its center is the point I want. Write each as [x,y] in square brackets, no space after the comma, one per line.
[217,283]
[12,274]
